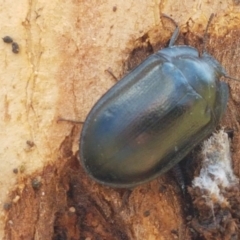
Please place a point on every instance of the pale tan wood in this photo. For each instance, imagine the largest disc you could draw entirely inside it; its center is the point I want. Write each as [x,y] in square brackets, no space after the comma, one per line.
[65,48]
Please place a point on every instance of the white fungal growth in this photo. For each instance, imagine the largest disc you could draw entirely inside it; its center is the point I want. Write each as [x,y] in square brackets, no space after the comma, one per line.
[216,173]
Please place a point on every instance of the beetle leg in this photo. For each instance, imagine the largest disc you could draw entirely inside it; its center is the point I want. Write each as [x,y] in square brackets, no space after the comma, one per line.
[109,71]
[174,37]
[178,175]
[230,133]
[222,101]
[68,120]
[205,35]
[125,198]
[232,78]
[175,33]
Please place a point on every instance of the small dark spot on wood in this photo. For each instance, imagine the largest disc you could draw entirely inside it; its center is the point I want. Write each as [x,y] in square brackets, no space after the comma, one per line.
[162,189]
[15,47]
[114,8]
[121,235]
[7,39]
[30,143]
[146,213]
[7,206]
[236,2]
[36,183]
[15,170]
[174,233]
[59,234]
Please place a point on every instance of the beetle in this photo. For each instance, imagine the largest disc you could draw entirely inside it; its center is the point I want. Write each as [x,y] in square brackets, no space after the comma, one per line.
[154,116]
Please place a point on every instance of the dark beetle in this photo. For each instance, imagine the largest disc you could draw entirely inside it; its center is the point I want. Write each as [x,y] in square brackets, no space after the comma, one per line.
[153,117]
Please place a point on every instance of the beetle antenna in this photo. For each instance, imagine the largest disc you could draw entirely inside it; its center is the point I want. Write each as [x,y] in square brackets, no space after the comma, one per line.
[205,35]
[204,44]
[235,79]
[68,120]
[175,33]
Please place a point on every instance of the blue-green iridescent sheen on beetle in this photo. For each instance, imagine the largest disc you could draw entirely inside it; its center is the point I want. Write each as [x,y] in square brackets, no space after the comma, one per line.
[153,117]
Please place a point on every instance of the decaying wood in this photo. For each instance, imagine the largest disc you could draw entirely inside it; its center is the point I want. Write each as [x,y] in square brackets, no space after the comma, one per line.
[59,71]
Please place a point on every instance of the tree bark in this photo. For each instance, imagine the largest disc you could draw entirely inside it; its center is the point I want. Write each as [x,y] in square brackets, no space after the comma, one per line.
[59,72]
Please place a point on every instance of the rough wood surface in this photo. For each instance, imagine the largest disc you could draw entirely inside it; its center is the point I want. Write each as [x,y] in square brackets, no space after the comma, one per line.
[65,48]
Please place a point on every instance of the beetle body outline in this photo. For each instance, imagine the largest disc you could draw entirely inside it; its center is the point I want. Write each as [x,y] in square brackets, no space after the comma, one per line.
[153,117]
